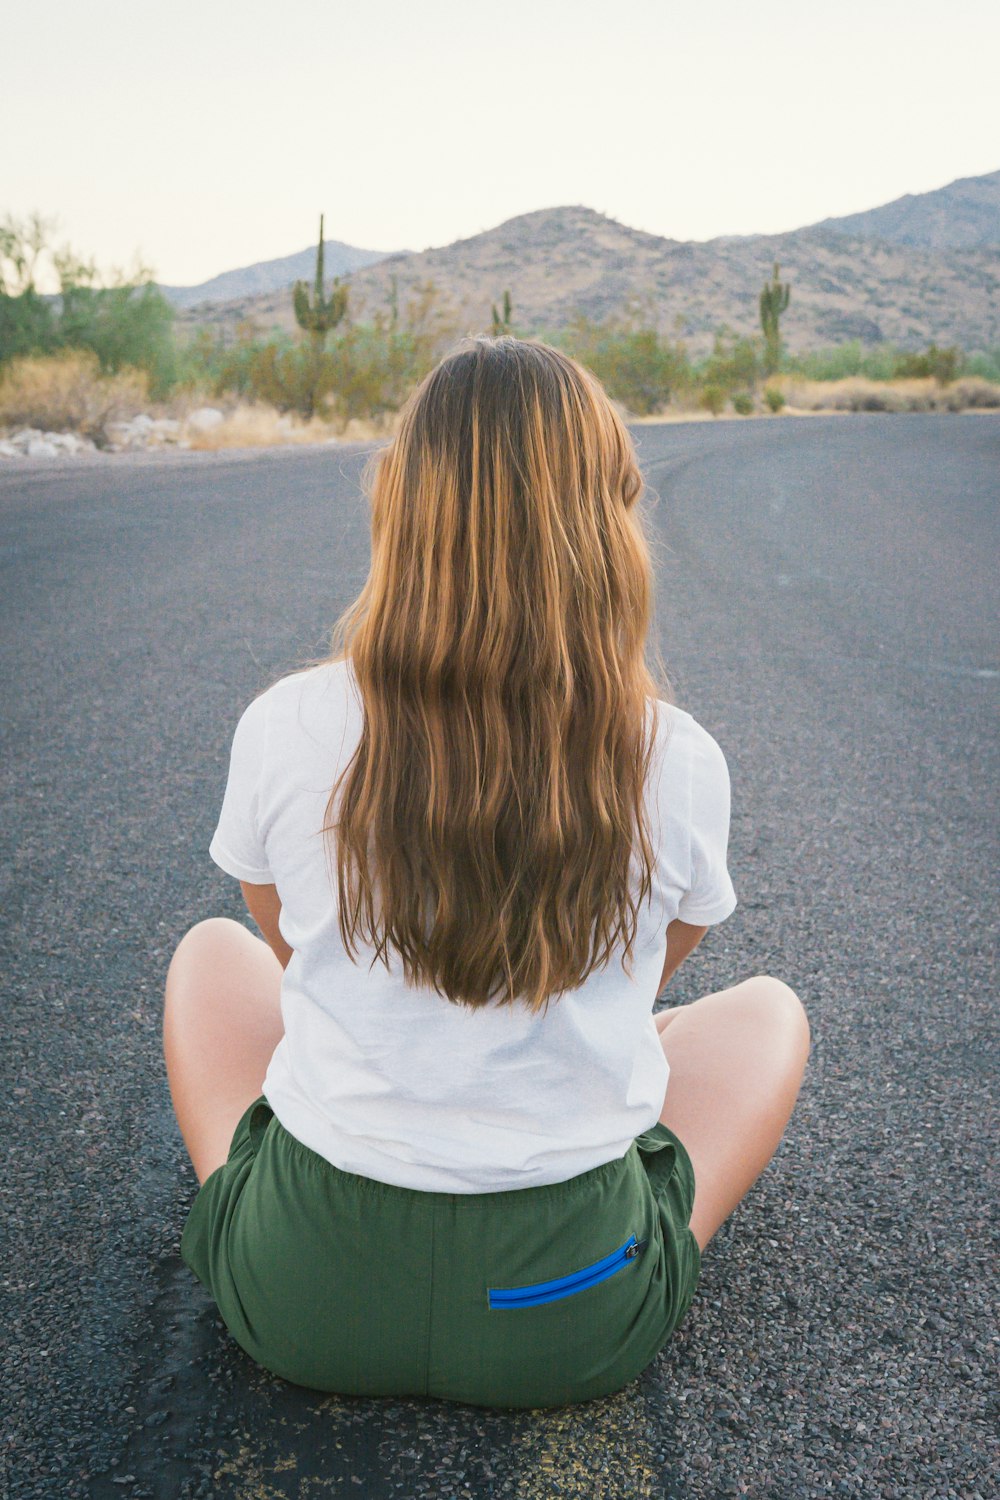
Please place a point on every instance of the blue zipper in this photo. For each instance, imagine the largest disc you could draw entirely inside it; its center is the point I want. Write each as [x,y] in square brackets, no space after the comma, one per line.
[565,1286]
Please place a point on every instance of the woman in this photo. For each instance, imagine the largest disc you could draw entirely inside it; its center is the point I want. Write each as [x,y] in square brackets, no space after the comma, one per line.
[437,1148]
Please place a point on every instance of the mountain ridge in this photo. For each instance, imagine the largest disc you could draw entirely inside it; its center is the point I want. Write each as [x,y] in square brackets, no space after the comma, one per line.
[846,284]
[264,276]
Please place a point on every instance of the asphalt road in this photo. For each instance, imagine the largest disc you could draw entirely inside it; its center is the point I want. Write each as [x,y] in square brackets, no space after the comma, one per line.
[827,607]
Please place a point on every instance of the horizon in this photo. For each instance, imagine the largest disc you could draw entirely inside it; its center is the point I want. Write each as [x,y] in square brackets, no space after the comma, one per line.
[406,129]
[404,250]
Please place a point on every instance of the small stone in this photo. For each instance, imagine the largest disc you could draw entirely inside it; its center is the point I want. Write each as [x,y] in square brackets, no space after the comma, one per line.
[205,418]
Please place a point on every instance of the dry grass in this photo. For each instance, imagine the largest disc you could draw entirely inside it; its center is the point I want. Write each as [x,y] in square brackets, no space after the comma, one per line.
[252,425]
[257,427]
[67,393]
[860,394]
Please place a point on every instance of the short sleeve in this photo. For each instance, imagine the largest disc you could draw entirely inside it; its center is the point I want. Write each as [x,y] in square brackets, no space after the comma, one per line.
[237,846]
[710,897]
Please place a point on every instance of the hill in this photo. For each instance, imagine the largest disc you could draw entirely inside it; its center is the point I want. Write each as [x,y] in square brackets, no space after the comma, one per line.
[273,275]
[965,213]
[558,261]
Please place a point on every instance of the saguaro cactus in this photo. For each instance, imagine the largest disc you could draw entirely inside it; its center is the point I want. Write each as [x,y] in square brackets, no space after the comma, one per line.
[773,301]
[502,324]
[317,317]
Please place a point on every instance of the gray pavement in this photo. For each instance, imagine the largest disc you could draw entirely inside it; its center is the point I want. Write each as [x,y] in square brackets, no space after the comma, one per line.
[826,606]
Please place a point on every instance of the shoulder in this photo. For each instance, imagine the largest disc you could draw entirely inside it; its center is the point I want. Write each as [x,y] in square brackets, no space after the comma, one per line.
[684,741]
[326,680]
[295,698]
[679,729]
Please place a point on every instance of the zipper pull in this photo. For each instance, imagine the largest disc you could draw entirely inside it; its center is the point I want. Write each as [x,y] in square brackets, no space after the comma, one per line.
[636,1249]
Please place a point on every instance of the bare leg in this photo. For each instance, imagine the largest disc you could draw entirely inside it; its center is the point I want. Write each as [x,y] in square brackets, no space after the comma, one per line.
[736,1058]
[221,1024]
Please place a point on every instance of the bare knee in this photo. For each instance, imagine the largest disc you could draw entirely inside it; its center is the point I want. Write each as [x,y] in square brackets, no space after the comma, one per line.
[776,1006]
[202,947]
[212,933]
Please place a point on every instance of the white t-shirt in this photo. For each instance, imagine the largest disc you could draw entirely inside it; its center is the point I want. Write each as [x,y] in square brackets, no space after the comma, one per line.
[400,1084]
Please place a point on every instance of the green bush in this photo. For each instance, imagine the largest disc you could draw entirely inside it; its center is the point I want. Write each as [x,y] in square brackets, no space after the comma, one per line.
[128,326]
[743,404]
[985,364]
[943,364]
[735,364]
[713,399]
[774,398]
[27,325]
[365,372]
[635,365]
[843,361]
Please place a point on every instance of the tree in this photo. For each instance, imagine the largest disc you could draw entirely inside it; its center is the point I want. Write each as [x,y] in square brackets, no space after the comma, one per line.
[127,321]
[122,317]
[27,323]
[773,301]
[319,316]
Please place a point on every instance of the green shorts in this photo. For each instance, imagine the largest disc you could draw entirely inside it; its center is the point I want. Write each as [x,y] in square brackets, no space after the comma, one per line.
[531,1297]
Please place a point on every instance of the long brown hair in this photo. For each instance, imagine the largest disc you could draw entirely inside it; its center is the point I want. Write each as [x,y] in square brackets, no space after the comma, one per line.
[496,793]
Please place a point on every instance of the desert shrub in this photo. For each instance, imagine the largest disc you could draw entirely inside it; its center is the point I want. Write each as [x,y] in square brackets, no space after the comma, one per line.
[970,391]
[363,373]
[735,364]
[277,373]
[743,404]
[712,398]
[775,399]
[859,394]
[635,364]
[370,371]
[844,360]
[941,365]
[68,392]
[985,364]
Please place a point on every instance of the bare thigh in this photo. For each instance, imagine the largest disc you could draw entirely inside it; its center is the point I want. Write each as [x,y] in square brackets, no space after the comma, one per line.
[221,1024]
[736,1058]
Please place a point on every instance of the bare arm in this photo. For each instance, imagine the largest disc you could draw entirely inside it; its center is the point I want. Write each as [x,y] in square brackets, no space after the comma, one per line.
[682,939]
[264,905]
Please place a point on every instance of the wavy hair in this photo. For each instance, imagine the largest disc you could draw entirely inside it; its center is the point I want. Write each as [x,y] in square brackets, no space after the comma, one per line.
[495,797]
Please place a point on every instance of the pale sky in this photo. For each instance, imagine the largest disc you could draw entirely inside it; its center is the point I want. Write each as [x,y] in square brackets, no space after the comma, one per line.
[206,134]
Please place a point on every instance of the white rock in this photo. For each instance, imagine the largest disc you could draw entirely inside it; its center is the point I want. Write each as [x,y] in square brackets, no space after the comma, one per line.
[24,435]
[165,428]
[142,423]
[39,448]
[205,418]
[128,435]
[7,450]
